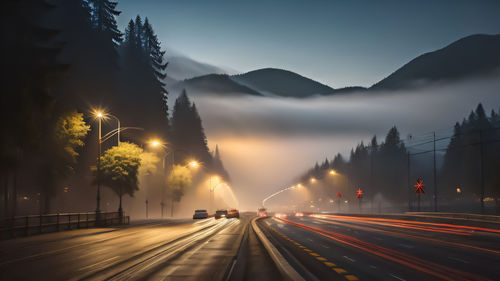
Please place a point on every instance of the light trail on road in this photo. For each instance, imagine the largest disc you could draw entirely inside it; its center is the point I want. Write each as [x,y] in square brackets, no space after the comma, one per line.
[444,225]
[422,265]
[406,235]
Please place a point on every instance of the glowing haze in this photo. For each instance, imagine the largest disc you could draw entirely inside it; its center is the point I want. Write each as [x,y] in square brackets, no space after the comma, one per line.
[266,143]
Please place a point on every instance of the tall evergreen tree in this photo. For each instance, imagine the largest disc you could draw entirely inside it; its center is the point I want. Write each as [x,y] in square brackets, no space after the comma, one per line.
[188,136]
[143,91]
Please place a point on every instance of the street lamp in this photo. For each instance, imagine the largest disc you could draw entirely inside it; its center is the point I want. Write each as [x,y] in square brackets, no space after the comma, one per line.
[100,115]
[312,180]
[157,143]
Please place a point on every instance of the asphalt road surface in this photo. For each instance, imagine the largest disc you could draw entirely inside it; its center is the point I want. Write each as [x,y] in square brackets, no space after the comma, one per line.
[329,247]
[180,250]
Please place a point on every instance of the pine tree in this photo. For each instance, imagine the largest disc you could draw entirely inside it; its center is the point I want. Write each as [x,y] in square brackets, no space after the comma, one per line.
[144,92]
[188,135]
[30,70]
[104,13]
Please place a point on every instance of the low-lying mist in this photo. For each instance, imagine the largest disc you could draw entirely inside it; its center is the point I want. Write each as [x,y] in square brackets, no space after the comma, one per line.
[266,142]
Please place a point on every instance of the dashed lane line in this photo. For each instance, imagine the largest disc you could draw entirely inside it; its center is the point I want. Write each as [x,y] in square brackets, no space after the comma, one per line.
[339,270]
[318,257]
[397,277]
[348,258]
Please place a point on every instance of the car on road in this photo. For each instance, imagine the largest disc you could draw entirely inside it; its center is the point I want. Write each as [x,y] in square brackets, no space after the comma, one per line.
[262,212]
[233,213]
[200,214]
[220,214]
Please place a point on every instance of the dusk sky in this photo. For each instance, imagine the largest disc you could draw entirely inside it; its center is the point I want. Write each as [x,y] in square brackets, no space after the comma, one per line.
[340,43]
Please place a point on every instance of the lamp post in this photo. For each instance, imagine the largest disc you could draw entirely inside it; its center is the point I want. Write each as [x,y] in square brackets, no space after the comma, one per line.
[98,199]
[156,143]
[100,115]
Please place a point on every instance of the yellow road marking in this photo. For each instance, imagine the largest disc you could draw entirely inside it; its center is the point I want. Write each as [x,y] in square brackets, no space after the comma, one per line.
[330,264]
[321,259]
[351,277]
[314,254]
[307,250]
[339,270]
[302,246]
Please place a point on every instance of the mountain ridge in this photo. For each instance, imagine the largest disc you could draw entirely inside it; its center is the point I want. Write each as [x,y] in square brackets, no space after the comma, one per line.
[469,56]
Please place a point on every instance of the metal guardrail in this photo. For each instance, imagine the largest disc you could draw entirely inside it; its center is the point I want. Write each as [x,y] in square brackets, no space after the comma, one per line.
[37,224]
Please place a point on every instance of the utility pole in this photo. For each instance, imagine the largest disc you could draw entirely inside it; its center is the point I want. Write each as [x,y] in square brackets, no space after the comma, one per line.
[482,169]
[409,186]
[435,177]
[371,177]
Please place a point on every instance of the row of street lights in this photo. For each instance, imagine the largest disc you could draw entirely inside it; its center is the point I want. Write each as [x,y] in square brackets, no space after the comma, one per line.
[155,143]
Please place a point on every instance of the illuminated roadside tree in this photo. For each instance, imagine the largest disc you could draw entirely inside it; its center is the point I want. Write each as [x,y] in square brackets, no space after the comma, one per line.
[61,145]
[119,169]
[178,180]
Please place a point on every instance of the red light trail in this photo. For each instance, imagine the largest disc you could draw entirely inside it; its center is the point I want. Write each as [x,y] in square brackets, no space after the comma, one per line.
[410,261]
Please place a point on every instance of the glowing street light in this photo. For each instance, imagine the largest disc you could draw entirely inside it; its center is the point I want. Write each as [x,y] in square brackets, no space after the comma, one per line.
[100,115]
[193,164]
[459,190]
[155,143]
[332,172]
[312,180]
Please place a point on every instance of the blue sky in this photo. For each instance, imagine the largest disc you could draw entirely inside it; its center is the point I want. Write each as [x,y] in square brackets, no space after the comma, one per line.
[338,42]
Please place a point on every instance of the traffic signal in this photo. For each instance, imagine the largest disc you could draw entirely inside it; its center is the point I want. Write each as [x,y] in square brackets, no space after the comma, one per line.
[419,186]
[359,193]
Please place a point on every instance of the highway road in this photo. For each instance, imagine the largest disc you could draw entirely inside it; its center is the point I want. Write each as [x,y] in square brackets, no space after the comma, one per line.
[176,250]
[331,247]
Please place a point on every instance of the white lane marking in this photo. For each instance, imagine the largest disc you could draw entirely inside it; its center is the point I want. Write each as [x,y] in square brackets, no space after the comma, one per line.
[348,258]
[310,239]
[372,266]
[268,223]
[378,238]
[399,278]
[406,246]
[317,222]
[325,246]
[457,259]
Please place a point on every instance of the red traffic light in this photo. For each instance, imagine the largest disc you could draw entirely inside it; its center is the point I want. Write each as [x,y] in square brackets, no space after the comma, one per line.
[419,186]
[339,194]
[359,193]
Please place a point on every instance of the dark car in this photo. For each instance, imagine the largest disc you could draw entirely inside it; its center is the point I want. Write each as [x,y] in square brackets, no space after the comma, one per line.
[200,214]
[220,214]
[233,213]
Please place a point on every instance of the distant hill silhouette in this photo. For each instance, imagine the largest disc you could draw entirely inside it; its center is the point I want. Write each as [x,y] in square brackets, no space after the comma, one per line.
[181,67]
[282,83]
[220,84]
[469,56]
